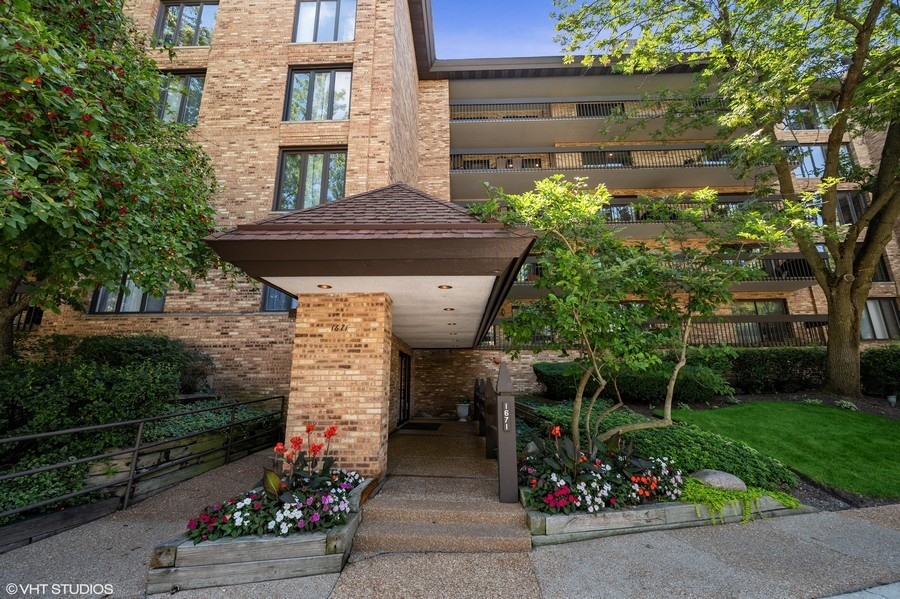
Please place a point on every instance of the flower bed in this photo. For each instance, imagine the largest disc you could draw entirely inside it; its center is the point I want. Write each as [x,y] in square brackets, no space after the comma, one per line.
[572,495]
[300,523]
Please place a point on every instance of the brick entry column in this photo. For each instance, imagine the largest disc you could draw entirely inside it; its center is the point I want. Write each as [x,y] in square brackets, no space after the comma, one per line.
[341,374]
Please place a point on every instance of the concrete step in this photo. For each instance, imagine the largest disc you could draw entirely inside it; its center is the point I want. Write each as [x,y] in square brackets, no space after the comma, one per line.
[437,489]
[401,511]
[444,467]
[420,537]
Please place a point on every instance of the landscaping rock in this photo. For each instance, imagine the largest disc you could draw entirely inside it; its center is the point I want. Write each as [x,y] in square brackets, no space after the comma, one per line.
[720,480]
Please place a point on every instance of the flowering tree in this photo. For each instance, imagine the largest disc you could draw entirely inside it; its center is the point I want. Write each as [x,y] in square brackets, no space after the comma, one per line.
[767,63]
[92,184]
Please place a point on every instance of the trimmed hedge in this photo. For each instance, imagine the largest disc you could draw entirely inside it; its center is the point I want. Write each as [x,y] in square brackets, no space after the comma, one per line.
[752,370]
[697,382]
[880,370]
[778,369]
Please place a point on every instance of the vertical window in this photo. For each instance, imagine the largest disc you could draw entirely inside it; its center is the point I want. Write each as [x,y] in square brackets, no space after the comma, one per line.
[325,21]
[318,96]
[125,298]
[810,160]
[179,98]
[606,159]
[277,301]
[879,320]
[187,23]
[308,179]
[811,116]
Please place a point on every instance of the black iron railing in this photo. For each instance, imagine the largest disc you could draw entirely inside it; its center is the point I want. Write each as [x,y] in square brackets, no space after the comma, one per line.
[587,109]
[590,159]
[28,319]
[733,330]
[140,447]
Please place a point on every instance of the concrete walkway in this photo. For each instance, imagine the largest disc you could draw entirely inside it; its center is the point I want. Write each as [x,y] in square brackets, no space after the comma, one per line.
[810,555]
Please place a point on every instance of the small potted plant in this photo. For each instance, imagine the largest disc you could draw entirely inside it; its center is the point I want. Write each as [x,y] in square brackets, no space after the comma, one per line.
[462,408]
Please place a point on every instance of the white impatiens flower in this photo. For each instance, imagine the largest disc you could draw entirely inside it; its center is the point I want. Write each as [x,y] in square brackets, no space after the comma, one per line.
[284,528]
[271,524]
[279,516]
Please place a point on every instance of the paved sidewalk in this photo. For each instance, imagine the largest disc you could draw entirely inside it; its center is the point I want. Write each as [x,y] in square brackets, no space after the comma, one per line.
[810,555]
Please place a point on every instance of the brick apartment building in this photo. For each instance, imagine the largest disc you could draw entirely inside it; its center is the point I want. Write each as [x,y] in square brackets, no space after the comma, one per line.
[303,102]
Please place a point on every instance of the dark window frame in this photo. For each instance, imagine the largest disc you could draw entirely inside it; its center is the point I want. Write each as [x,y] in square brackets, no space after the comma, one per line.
[305,152]
[289,94]
[337,23]
[120,296]
[160,30]
[183,76]
[267,292]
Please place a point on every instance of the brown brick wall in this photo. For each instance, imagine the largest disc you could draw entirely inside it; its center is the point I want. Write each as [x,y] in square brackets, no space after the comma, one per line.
[251,352]
[442,376]
[404,165]
[434,138]
[343,377]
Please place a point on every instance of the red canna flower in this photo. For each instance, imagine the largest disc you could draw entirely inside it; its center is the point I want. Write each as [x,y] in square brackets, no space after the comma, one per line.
[296,443]
[555,432]
[330,432]
[280,449]
[315,448]
[310,427]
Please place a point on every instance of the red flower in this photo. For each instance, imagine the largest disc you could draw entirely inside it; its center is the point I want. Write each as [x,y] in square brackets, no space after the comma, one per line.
[296,443]
[192,524]
[280,449]
[315,448]
[330,432]
[555,432]
[310,427]
[66,91]
[289,456]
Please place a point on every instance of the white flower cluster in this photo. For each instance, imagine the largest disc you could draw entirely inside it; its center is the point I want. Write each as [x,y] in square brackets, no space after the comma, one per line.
[288,517]
[239,518]
[595,492]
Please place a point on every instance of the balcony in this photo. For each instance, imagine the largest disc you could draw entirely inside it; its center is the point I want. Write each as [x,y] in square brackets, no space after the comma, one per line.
[478,125]
[683,167]
[736,331]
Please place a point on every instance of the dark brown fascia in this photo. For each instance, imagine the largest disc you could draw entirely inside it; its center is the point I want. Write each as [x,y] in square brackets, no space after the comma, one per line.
[501,289]
[372,257]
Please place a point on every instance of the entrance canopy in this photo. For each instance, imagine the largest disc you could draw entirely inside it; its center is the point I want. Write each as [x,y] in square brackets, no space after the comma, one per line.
[446,272]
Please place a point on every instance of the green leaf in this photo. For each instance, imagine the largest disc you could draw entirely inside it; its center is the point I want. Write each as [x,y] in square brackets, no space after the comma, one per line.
[271,482]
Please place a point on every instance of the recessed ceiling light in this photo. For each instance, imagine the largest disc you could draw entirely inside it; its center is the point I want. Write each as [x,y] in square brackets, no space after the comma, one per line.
[323,286]
[449,309]
[451,324]
[454,333]
[445,286]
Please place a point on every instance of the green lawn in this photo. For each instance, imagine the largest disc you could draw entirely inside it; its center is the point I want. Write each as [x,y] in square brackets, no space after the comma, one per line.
[843,449]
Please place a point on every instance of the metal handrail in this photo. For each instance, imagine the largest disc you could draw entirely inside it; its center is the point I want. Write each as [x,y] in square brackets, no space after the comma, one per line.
[578,109]
[589,158]
[140,446]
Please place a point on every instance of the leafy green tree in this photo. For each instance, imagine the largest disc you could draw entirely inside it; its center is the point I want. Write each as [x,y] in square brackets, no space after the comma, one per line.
[767,62]
[93,184]
[611,303]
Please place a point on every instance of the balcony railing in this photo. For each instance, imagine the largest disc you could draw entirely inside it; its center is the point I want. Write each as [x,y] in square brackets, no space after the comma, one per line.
[499,111]
[589,159]
[734,330]
[28,319]
[775,267]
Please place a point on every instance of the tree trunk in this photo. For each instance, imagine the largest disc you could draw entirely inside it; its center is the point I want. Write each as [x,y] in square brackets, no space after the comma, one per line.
[11,305]
[842,356]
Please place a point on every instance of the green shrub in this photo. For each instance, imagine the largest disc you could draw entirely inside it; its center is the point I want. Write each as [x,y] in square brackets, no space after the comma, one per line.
[880,370]
[119,350]
[691,448]
[779,369]
[696,383]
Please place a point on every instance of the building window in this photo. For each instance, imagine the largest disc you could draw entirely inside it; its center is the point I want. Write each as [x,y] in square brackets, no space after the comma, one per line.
[310,178]
[477,164]
[599,109]
[767,307]
[531,163]
[810,160]
[179,98]
[325,21]
[318,96]
[126,298]
[811,116]
[187,23]
[277,301]
[879,320]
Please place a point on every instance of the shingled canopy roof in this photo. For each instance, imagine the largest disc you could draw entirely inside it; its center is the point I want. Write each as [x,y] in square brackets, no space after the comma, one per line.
[426,253]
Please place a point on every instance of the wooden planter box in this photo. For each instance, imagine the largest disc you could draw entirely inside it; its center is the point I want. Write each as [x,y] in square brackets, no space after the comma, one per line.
[180,564]
[552,529]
